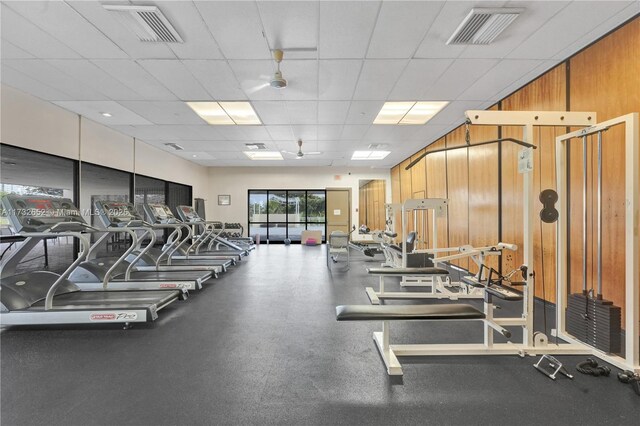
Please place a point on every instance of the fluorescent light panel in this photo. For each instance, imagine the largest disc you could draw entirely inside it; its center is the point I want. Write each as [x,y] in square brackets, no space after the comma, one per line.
[263,155]
[369,155]
[408,112]
[226,113]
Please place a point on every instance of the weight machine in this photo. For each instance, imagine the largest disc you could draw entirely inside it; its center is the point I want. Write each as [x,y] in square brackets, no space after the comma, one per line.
[630,122]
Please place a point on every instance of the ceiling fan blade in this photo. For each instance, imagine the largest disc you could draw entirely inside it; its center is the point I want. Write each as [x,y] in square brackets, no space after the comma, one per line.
[289,152]
[313,153]
[253,86]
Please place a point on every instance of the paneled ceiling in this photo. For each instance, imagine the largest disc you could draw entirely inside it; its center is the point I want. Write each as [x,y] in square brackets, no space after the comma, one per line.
[79,56]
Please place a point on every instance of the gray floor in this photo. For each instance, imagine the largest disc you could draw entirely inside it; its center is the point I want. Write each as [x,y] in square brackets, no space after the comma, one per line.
[261,345]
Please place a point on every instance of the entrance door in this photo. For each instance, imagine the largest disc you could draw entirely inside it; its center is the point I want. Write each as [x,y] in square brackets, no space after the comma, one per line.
[338,210]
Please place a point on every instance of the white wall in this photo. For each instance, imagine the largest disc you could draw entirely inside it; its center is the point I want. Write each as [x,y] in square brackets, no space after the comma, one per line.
[29,122]
[236,181]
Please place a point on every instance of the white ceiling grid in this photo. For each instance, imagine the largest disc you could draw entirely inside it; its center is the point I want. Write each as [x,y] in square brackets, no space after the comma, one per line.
[79,56]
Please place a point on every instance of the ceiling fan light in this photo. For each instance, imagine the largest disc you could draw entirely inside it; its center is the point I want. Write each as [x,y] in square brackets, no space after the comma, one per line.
[277,82]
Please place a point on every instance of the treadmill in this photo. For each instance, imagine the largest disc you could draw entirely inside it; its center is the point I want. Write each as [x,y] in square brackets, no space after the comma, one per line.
[157,213]
[206,238]
[113,214]
[41,297]
[120,272]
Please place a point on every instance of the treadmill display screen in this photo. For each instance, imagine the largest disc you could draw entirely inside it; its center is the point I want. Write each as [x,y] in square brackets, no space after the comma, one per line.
[189,214]
[38,213]
[117,213]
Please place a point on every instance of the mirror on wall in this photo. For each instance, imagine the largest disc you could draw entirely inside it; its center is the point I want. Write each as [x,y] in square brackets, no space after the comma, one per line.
[371,205]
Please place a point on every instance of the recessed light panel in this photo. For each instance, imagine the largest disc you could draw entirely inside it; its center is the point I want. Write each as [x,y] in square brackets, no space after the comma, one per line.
[392,112]
[263,155]
[408,112]
[369,155]
[226,113]
[422,112]
[211,112]
[241,113]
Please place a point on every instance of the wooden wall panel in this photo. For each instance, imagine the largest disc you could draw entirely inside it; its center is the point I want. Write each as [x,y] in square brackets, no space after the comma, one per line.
[371,204]
[605,79]
[484,167]
[436,173]
[418,191]
[406,193]
[547,93]
[458,192]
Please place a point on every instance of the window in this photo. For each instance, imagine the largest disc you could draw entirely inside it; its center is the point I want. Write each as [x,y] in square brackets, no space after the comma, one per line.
[275,215]
[26,172]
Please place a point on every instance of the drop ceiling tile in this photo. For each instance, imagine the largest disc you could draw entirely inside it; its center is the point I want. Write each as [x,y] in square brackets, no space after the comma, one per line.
[75,31]
[302,79]
[302,112]
[462,74]
[186,19]
[418,75]
[254,77]
[605,25]
[231,133]
[354,132]
[217,78]
[29,37]
[332,112]
[363,112]
[306,133]
[255,133]
[271,112]
[23,82]
[503,74]
[195,155]
[43,72]
[93,110]
[400,28]
[348,20]
[109,24]
[378,77]
[449,17]
[208,146]
[132,75]
[534,15]
[159,112]
[429,132]
[550,38]
[338,78]
[236,27]
[280,133]
[290,24]
[9,50]
[454,112]
[90,75]
[329,132]
[389,133]
[177,78]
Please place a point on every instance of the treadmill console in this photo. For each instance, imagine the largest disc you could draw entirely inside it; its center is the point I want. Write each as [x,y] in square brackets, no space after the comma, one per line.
[159,213]
[40,213]
[118,214]
[188,214]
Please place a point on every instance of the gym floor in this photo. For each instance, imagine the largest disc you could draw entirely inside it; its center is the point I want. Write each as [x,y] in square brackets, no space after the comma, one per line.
[261,345]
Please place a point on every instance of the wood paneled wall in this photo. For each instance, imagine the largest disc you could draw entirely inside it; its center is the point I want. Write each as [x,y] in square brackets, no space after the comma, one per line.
[484,187]
[371,205]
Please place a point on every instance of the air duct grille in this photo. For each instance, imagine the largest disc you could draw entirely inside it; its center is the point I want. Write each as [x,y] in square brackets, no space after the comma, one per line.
[146,22]
[482,26]
[174,146]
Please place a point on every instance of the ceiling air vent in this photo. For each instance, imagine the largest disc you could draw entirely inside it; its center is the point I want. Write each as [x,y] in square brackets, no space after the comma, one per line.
[174,146]
[255,146]
[146,22]
[482,26]
[377,145]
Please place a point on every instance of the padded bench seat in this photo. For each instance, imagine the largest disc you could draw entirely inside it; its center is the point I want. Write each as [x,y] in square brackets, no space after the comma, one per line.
[407,271]
[407,312]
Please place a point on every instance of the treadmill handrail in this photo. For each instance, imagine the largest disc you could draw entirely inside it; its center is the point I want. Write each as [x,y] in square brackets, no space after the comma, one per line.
[127,272]
[85,243]
[132,247]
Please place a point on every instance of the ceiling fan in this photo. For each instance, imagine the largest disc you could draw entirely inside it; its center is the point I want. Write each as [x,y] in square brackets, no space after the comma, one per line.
[299,155]
[276,81]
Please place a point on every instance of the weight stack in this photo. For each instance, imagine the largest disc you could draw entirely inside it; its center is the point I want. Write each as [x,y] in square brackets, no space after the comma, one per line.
[594,322]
